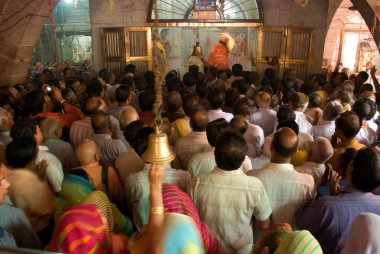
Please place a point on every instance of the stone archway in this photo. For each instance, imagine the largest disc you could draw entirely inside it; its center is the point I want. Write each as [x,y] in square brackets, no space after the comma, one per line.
[340,13]
[21,22]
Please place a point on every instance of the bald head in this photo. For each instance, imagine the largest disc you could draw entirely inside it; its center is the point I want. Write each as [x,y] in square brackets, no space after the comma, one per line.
[128,116]
[239,124]
[285,142]
[263,100]
[50,128]
[100,122]
[321,150]
[87,152]
[199,120]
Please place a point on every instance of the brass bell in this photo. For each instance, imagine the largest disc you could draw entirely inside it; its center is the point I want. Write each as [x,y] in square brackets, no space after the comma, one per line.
[158,150]
[197,50]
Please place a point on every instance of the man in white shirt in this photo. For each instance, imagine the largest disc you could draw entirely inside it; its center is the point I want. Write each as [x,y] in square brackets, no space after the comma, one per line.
[109,148]
[365,109]
[202,163]
[320,152]
[6,123]
[298,102]
[287,189]
[229,201]
[216,99]
[52,132]
[264,116]
[196,142]
[26,128]
[327,128]
[264,158]
[254,134]
[137,183]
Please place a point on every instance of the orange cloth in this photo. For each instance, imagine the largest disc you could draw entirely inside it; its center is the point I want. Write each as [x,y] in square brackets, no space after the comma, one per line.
[218,57]
[341,148]
[116,189]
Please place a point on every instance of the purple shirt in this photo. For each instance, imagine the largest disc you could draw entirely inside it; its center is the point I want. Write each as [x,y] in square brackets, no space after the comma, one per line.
[330,218]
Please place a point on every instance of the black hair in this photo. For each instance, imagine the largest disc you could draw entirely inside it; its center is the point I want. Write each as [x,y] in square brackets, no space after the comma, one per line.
[290,123]
[23,128]
[94,89]
[106,75]
[366,170]
[237,70]
[174,84]
[228,73]
[230,151]
[216,97]
[149,77]
[20,152]
[285,112]
[270,73]
[189,79]
[214,130]
[131,130]
[315,100]
[320,79]
[193,69]
[128,81]
[146,100]
[122,93]
[232,95]
[364,108]
[202,90]
[242,108]
[349,123]
[242,86]
[140,143]
[130,68]
[34,102]
[213,71]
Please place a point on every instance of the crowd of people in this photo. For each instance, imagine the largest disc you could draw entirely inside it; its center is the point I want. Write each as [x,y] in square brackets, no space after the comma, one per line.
[261,166]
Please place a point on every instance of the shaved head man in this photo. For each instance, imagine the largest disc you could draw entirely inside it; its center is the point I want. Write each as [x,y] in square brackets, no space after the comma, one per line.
[128,116]
[320,152]
[88,155]
[284,145]
[287,189]
[87,152]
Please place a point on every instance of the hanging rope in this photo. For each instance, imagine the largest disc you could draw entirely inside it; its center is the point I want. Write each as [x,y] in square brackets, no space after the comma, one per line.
[158,107]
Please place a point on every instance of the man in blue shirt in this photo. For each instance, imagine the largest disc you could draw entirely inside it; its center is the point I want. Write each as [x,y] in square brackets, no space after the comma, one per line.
[330,218]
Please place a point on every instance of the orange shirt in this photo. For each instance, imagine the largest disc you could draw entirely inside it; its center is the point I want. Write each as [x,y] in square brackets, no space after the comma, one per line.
[341,148]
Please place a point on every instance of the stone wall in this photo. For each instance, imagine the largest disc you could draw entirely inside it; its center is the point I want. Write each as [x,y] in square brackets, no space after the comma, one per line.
[20,29]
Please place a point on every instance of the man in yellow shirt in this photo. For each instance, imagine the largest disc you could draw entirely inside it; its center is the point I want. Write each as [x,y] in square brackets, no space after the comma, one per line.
[347,126]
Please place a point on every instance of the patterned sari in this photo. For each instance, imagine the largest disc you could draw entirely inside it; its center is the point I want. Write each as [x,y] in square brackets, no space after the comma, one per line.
[176,201]
[81,229]
[77,190]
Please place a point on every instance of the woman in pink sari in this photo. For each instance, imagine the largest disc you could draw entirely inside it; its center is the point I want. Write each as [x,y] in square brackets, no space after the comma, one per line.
[176,201]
